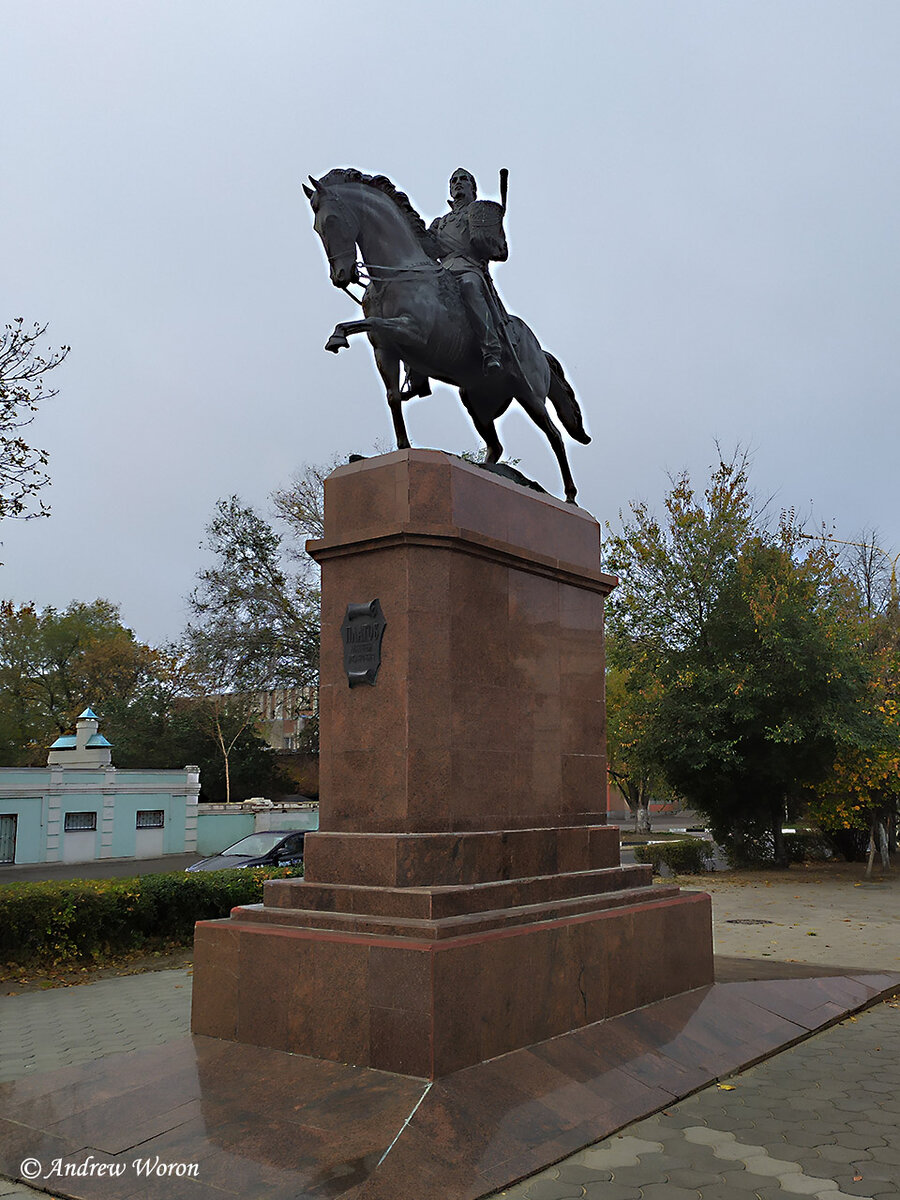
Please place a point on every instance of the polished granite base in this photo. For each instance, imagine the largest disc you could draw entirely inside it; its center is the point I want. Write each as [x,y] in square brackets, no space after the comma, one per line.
[431,996]
[265,1124]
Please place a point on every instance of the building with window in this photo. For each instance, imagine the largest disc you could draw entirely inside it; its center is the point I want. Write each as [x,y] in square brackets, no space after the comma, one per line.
[284,713]
[80,807]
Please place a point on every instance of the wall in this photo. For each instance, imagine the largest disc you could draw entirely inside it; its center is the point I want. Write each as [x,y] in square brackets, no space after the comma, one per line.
[221,825]
[40,798]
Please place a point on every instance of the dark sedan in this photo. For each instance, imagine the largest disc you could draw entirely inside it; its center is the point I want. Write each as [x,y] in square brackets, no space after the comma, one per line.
[272,848]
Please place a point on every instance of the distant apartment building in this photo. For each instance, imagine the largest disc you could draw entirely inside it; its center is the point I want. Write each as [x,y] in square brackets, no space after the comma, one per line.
[283,714]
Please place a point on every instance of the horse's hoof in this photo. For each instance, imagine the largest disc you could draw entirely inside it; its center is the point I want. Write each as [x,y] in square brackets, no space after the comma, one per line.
[571,500]
[336,342]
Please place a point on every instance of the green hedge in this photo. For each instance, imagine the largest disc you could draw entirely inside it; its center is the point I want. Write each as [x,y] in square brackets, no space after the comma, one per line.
[685,857]
[47,924]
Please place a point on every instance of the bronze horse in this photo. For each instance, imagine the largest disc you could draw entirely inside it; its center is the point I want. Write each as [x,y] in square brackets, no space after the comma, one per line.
[414,315]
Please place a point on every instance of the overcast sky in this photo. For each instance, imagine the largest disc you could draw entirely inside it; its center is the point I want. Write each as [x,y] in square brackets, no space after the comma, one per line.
[703,227]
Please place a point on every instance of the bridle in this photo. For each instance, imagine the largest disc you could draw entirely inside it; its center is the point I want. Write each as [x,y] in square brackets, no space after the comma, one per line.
[369,273]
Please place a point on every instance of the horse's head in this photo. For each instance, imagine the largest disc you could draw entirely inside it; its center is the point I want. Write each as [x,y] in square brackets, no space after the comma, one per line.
[338,229]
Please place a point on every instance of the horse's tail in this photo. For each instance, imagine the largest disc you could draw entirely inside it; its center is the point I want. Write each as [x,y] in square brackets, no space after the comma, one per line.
[563,400]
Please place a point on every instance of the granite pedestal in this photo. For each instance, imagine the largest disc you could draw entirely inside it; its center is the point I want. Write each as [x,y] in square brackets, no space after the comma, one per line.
[463,897]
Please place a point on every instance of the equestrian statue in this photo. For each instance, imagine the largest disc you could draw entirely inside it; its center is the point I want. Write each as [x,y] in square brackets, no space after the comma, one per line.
[430,305]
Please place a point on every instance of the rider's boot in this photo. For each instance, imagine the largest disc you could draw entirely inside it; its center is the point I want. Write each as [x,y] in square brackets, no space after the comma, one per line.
[491,361]
[492,356]
[482,323]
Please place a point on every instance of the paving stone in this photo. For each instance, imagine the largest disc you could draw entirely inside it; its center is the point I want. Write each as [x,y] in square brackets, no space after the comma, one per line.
[771,1129]
[813,1164]
[669,1160]
[665,1191]
[720,1191]
[611,1191]
[878,1170]
[743,1182]
[680,1117]
[859,1104]
[779,1150]
[803,1185]
[570,1172]
[694,1177]
[851,1186]
[554,1189]
[887,1154]
[618,1152]
[863,1141]
[765,1164]
[877,1117]
[639,1176]
[709,1137]
[842,1154]
[877,1086]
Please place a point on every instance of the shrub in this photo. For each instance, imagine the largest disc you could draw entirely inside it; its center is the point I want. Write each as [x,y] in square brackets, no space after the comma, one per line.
[851,844]
[47,924]
[808,845]
[688,856]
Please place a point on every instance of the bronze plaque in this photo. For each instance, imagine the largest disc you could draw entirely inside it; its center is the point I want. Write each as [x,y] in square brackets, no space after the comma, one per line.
[361,632]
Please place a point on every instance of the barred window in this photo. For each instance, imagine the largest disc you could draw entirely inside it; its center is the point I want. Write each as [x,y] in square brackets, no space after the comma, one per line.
[150,818]
[81,822]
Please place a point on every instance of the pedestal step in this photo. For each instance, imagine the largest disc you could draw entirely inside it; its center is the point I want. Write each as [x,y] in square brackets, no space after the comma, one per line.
[435,903]
[447,927]
[444,859]
[429,1006]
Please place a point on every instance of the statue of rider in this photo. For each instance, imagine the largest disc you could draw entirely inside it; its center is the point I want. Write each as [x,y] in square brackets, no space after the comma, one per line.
[466,240]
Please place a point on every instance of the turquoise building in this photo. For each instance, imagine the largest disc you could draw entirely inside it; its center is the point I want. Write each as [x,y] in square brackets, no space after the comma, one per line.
[80,807]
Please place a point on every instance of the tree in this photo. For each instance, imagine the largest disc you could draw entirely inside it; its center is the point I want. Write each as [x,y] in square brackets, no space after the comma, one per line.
[756,714]
[863,797]
[670,574]
[630,705]
[301,505]
[256,623]
[162,727]
[53,664]
[223,704]
[23,371]
[751,674]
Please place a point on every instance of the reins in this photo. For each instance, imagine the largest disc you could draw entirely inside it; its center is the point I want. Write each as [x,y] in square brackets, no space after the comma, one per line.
[364,271]
[365,276]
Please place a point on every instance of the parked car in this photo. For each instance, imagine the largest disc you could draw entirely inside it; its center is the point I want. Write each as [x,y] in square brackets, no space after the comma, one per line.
[272,848]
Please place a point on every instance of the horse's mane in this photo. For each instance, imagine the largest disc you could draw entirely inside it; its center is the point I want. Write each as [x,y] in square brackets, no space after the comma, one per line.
[382,184]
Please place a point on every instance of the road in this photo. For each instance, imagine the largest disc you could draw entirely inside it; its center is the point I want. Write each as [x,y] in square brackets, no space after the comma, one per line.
[108,868]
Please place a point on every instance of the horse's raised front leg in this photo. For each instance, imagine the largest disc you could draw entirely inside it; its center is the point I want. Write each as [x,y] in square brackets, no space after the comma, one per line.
[388,364]
[387,327]
[536,408]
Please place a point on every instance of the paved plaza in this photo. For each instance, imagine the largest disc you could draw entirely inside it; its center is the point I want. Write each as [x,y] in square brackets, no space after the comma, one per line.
[820,1119]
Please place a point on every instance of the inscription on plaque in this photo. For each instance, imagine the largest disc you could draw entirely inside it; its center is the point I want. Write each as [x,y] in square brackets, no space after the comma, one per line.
[361,632]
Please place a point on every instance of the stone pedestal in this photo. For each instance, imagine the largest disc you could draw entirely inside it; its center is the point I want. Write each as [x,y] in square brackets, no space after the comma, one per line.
[463,897]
